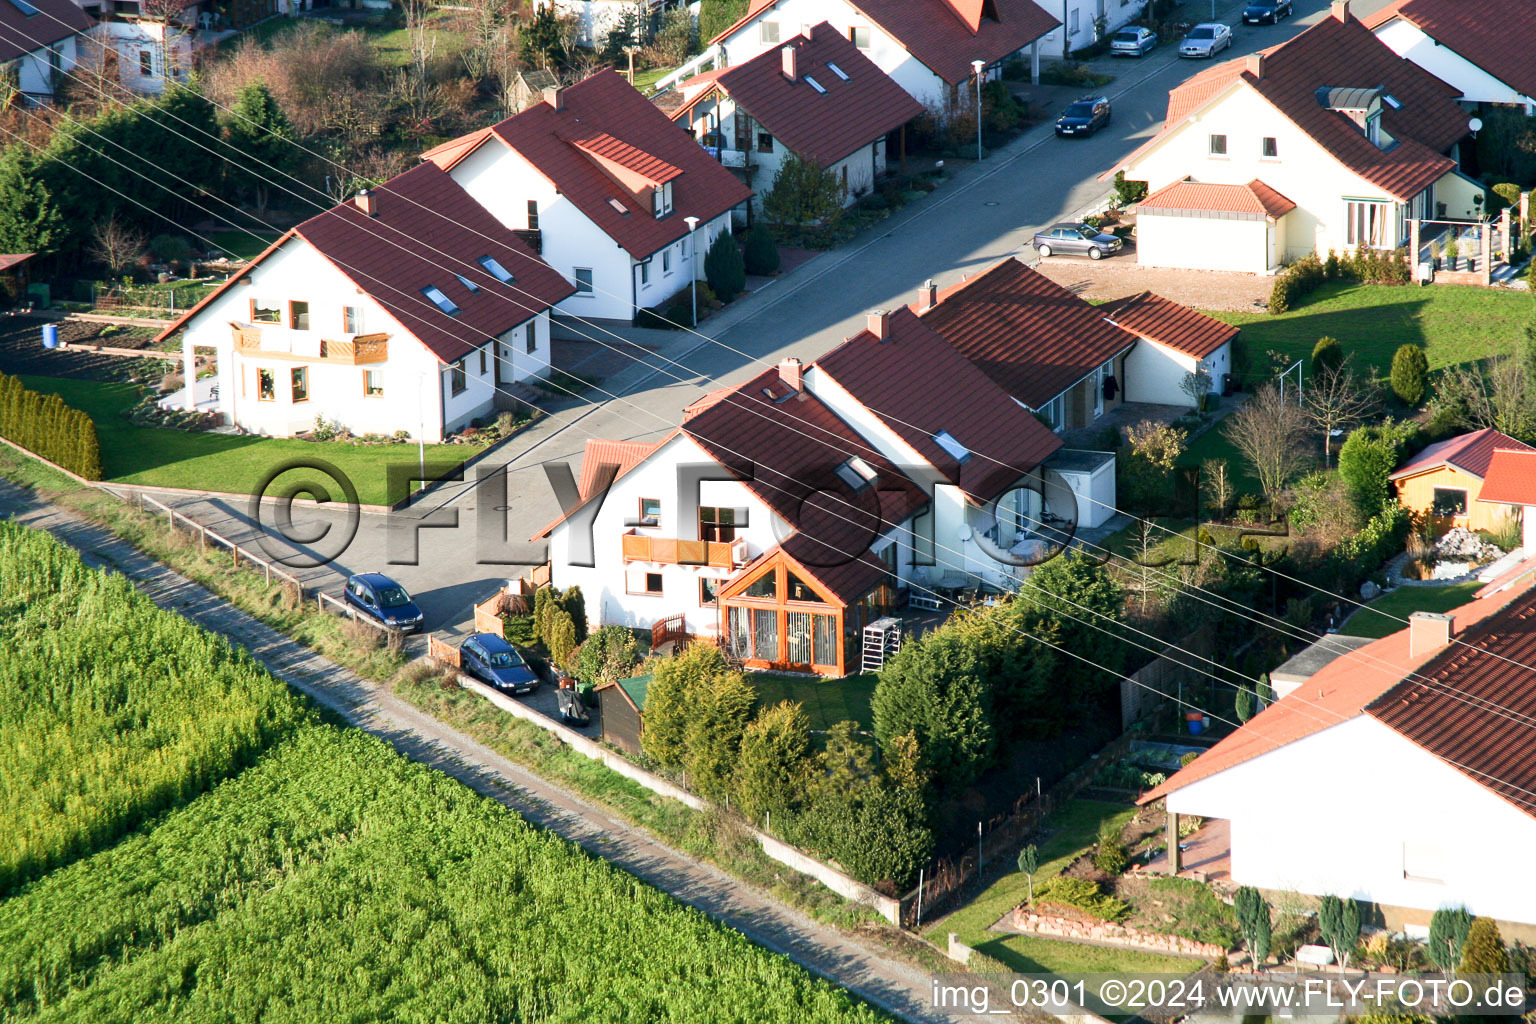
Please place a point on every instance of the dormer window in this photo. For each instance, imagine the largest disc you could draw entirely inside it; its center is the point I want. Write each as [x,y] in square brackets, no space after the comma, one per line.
[1373,127]
[947,441]
[661,200]
[495,269]
[440,300]
[856,473]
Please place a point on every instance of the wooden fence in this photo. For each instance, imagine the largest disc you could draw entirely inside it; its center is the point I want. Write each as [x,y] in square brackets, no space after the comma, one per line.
[206,536]
[443,652]
[488,614]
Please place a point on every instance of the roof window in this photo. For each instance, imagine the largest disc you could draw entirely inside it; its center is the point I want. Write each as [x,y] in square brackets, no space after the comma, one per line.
[467,283]
[815,85]
[1392,101]
[839,72]
[618,207]
[856,473]
[493,267]
[957,451]
[440,300]
[25,8]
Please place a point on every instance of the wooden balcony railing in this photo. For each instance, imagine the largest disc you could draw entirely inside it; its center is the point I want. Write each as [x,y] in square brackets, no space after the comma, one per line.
[670,551]
[360,350]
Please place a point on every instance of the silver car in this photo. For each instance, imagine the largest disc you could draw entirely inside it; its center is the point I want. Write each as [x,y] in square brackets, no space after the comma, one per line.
[1082,239]
[1206,39]
[1134,41]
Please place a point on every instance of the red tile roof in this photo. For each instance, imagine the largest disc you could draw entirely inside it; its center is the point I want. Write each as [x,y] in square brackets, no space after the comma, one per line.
[14,259]
[1355,683]
[1331,54]
[622,455]
[606,126]
[1028,334]
[1476,30]
[1470,452]
[423,214]
[820,127]
[919,385]
[945,35]
[55,20]
[1169,324]
[1254,197]
[1510,477]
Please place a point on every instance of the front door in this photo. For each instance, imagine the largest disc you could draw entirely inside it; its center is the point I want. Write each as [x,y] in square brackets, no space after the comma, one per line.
[503,359]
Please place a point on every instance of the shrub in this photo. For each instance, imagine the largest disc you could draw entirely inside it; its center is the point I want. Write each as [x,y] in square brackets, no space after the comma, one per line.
[1327,354]
[654,318]
[1081,894]
[1299,279]
[1410,370]
[1111,857]
[723,267]
[607,656]
[803,195]
[1484,951]
[1366,459]
[762,252]
[1128,192]
[45,426]
[1448,929]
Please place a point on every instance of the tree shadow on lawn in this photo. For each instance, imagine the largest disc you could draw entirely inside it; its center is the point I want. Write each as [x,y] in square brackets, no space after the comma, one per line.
[1370,321]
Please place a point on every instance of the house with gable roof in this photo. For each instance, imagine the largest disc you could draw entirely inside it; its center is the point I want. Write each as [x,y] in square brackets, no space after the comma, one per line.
[40,40]
[601,183]
[1444,483]
[1327,141]
[816,96]
[410,308]
[1443,706]
[1465,43]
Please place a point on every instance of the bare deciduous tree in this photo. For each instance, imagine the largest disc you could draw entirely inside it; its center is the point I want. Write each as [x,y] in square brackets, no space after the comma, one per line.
[1501,395]
[1337,398]
[1270,431]
[1216,482]
[117,244]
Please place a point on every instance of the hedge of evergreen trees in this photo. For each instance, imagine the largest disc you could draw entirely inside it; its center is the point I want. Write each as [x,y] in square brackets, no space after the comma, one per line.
[45,426]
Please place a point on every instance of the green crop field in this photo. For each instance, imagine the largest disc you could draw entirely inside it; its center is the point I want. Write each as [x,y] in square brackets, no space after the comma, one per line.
[218,852]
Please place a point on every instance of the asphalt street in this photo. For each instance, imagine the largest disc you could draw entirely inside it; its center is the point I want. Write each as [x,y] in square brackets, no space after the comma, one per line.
[449,549]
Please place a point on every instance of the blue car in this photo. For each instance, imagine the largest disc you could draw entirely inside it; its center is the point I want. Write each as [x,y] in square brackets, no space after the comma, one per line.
[383,600]
[496,663]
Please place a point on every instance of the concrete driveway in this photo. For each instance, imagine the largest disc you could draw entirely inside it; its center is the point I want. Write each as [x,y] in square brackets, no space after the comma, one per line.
[985,212]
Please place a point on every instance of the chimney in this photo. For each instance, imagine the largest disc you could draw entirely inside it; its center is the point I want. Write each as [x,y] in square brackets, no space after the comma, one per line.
[880,324]
[1429,631]
[1340,10]
[1254,64]
[555,97]
[789,372]
[927,296]
[787,54]
[367,202]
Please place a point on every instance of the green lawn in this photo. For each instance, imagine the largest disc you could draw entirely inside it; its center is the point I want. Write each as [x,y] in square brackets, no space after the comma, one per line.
[1454,323]
[241,244]
[447,28]
[826,701]
[649,77]
[163,457]
[1385,614]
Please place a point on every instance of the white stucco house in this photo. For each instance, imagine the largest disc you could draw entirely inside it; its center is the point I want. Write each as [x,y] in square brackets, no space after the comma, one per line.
[1442,709]
[1085,22]
[596,18]
[816,96]
[150,53]
[1172,342]
[1327,141]
[927,46]
[1468,44]
[601,183]
[411,308]
[788,512]
[39,41]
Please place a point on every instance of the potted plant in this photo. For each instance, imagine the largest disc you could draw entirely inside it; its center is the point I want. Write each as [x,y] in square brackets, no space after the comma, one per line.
[1450,249]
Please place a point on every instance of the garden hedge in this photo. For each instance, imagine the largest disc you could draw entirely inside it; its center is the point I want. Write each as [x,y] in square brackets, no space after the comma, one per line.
[45,426]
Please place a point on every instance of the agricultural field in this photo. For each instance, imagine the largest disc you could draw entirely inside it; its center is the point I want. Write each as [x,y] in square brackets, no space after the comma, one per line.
[274,866]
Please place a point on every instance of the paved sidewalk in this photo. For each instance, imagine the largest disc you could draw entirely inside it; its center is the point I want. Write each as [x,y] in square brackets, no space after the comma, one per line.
[895,986]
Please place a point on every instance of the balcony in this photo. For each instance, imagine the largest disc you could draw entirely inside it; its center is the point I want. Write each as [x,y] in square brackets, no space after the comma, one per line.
[670,551]
[280,343]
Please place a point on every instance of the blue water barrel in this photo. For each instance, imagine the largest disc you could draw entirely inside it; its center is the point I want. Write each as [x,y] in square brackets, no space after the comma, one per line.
[50,335]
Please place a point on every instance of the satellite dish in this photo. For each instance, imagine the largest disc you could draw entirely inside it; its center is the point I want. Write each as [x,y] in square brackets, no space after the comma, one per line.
[1476,124]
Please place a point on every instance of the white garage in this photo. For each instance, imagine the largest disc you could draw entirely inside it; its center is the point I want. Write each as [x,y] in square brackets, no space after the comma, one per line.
[1199,226]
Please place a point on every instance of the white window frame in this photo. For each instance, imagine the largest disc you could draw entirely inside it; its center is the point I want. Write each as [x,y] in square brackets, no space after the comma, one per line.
[1215,139]
[583,287]
[1366,222]
[768,32]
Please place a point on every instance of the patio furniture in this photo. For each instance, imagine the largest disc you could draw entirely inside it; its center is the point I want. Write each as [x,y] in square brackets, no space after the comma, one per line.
[921,594]
[951,583]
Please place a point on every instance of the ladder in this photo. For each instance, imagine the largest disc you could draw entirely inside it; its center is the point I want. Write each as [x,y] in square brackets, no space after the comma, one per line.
[882,638]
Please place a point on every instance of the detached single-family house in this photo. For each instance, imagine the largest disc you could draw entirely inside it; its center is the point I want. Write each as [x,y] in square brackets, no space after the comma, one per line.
[1474,45]
[1406,772]
[411,308]
[596,18]
[150,53]
[816,96]
[1445,481]
[1173,342]
[1085,22]
[602,184]
[787,513]
[927,46]
[1327,141]
[40,40]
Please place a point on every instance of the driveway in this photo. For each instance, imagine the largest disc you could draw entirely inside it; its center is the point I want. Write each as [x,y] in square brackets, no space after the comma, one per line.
[983,213]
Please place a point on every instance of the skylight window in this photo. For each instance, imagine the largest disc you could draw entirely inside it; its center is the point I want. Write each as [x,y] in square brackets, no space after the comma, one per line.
[839,72]
[467,283]
[495,269]
[1392,101]
[440,300]
[957,451]
[815,85]
[618,207]
[25,8]
[856,473]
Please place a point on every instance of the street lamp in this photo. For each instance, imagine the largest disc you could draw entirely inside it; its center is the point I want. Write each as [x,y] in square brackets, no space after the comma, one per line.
[977,65]
[693,266]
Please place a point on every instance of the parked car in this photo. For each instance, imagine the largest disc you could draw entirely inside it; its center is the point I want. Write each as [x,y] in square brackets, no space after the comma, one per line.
[496,663]
[383,600]
[1261,12]
[1076,238]
[1084,117]
[1206,39]
[1134,41]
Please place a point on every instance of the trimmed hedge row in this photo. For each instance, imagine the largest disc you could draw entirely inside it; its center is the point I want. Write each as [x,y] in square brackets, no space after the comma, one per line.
[45,426]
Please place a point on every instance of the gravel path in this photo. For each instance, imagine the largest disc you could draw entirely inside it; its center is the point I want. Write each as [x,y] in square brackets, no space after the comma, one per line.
[1117,278]
[843,959]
